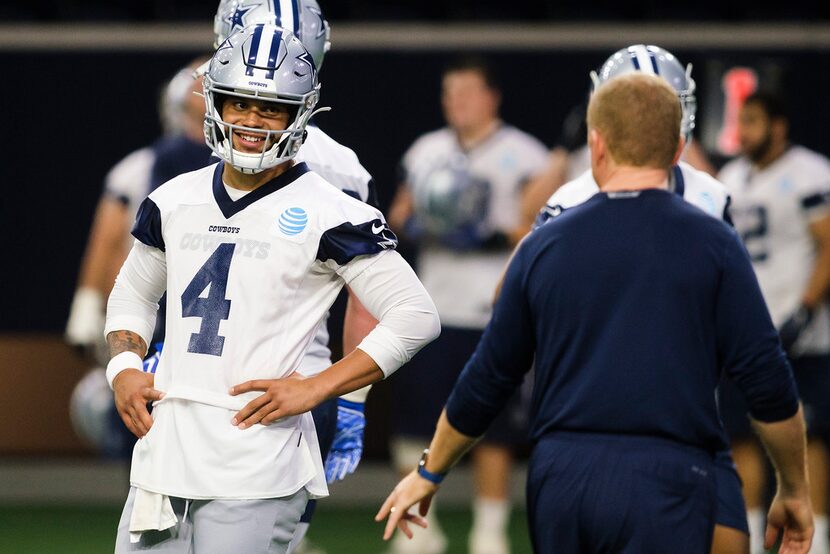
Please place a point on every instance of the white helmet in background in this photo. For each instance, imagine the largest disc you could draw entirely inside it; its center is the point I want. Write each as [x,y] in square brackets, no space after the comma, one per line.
[655,61]
[91,408]
[303,18]
[266,63]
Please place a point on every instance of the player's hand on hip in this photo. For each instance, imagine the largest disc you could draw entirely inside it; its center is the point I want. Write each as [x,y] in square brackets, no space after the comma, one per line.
[281,398]
[133,390]
[793,515]
[413,489]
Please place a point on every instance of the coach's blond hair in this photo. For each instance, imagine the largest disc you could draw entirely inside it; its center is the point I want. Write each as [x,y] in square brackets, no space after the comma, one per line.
[639,116]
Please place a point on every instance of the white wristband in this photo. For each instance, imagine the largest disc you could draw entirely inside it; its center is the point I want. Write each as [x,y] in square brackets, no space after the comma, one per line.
[120,362]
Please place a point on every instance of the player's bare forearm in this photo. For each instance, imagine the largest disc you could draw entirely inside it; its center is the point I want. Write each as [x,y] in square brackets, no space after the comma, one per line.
[818,286]
[354,371]
[497,292]
[401,209]
[295,395]
[105,252]
[539,188]
[126,341]
[132,388]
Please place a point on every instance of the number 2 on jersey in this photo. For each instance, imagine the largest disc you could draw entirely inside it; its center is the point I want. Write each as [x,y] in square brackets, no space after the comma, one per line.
[213,308]
[754,233]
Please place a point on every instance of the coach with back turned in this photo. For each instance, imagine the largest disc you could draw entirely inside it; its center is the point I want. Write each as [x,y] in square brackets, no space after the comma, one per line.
[632,306]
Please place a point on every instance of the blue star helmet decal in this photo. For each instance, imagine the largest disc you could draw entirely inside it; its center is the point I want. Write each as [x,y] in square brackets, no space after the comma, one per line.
[237,18]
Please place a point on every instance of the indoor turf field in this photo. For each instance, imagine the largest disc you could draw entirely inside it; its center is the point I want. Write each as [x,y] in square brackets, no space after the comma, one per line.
[91,530]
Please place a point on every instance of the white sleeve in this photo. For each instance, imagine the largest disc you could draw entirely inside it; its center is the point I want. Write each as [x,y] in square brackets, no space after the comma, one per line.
[407,318]
[133,303]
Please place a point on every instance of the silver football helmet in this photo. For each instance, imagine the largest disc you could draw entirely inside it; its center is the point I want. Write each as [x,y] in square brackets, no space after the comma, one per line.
[173,99]
[303,18]
[266,63]
[655,61]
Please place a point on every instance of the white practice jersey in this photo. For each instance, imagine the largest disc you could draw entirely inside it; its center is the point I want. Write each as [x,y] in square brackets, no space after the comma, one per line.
[462,284]
[249,283]
[340,166]
[772,210]
[579,161]
[696,187]
[129,180]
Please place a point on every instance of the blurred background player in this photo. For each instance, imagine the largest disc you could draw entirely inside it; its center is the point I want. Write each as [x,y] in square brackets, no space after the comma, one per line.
[180,149]
[460,202]
[705,192]
[570,157]
[781,207]
[696,186]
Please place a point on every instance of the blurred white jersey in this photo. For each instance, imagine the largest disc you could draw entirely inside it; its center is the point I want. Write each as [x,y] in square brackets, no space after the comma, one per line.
[579,161]
[462,283]
[696,187]
[773,209]
[129,180]
[340,166]
[249,282]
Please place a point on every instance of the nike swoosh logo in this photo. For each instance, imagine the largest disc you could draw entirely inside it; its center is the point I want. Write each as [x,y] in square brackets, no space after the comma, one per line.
[377,230]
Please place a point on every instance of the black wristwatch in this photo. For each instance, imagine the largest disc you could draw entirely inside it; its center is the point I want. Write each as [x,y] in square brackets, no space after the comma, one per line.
[434,478]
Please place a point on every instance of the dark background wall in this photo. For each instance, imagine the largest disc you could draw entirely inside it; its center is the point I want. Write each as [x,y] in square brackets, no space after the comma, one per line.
[69,116]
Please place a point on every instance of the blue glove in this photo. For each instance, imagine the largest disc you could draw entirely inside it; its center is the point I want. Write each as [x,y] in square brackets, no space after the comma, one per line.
[152,362]
[347,447]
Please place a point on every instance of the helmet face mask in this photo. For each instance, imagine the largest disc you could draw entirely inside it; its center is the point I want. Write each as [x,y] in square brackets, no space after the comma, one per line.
[302,17]
[655,61]
[260,63]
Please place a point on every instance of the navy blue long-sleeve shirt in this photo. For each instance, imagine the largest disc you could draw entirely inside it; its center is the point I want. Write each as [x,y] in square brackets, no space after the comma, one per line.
[631,305]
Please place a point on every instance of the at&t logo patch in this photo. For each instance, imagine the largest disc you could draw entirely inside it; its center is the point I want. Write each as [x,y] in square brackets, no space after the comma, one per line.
[293,221]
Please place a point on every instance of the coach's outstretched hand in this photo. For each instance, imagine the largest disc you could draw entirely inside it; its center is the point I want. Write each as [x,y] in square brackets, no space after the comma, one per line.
[793,515]
[413,489]
[281,398]
[133,389]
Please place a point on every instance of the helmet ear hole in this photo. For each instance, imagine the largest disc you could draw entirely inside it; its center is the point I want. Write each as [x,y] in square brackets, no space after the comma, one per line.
[220,134]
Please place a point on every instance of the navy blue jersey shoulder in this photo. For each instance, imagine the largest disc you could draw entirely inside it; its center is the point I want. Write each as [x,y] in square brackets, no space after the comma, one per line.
[147,226]
[174,156]
[348,241]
